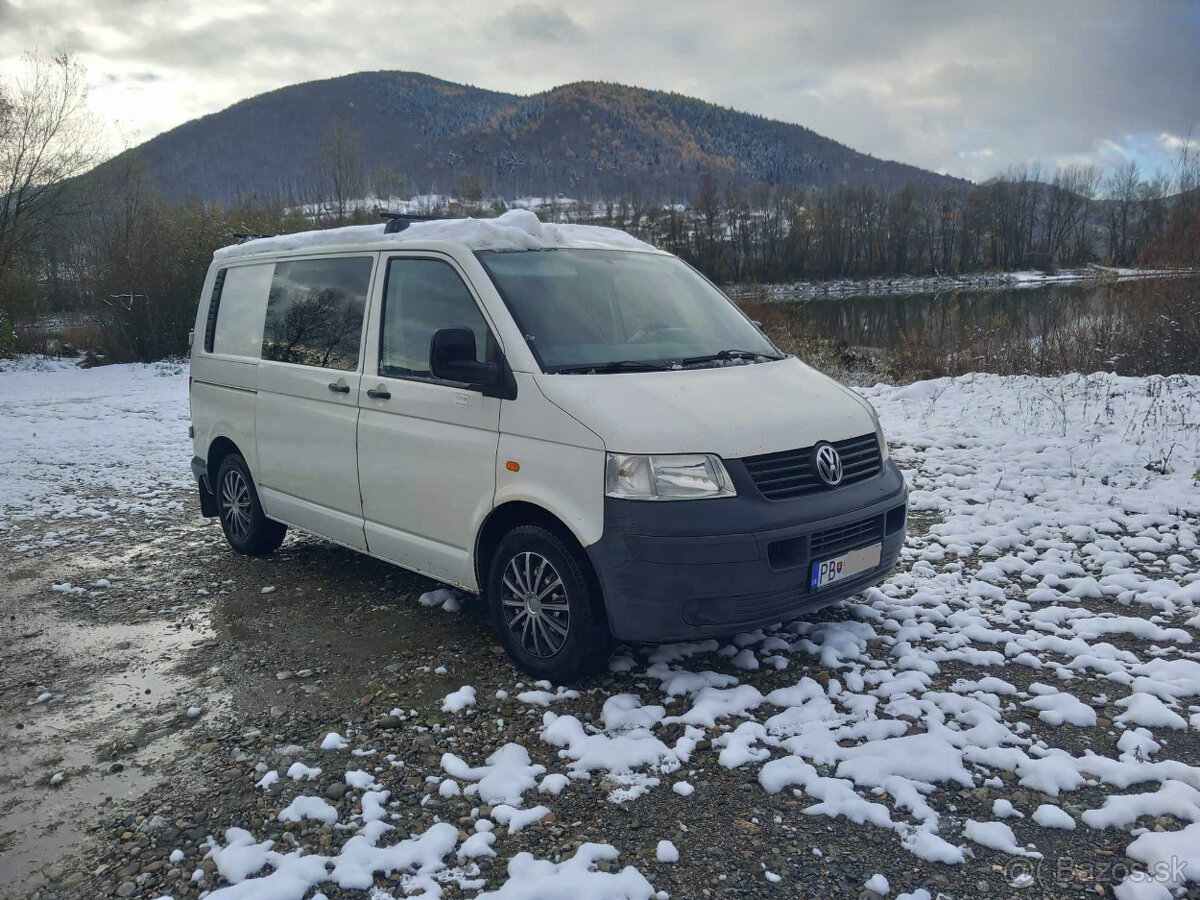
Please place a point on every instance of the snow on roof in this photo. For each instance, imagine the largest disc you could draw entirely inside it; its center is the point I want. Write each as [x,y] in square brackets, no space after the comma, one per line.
[517,229]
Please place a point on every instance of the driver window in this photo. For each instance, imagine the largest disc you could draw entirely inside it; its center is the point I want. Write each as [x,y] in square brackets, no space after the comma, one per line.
[421,296]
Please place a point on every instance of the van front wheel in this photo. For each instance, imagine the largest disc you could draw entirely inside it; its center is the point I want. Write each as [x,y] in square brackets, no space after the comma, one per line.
[246,526]
[543,605]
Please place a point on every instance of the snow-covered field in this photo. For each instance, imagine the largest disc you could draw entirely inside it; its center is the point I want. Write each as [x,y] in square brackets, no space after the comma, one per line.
[88,442]
[1038,645]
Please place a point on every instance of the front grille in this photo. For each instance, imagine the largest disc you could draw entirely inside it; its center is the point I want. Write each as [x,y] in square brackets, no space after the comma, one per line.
[793,473]
[833,541]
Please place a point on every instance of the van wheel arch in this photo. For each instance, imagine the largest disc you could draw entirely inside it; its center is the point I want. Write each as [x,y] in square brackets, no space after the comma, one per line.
[220,448]
[513,514]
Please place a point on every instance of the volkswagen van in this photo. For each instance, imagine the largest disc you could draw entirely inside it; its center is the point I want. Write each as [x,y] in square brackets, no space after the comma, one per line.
[576,426]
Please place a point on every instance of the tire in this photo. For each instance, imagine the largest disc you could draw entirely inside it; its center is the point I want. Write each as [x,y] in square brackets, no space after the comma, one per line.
[246,526]
[560,635]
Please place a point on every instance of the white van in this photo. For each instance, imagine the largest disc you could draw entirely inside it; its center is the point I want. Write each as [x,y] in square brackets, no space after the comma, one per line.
[562,418]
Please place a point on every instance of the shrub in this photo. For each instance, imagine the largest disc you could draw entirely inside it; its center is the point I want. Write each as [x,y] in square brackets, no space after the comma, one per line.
[8,338]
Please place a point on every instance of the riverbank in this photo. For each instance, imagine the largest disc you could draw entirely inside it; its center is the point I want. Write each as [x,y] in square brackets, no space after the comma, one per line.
[1131,326]
[900,285]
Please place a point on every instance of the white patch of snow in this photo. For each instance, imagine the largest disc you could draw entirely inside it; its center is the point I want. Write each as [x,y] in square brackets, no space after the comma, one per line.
[878,884]
[503,778]
[334,741]
[314,808]
[517,229]
[1050,816]
[459,700]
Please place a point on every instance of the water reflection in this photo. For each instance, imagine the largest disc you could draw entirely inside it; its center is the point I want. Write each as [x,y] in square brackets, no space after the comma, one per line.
[1133,327]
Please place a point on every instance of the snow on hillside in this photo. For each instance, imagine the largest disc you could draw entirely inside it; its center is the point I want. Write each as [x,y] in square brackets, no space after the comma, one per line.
[1049,590]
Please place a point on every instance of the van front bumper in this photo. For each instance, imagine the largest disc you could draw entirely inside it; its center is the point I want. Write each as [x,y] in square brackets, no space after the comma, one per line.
[699,568]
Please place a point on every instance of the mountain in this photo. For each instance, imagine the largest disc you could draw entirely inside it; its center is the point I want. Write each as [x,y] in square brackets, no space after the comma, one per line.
[587,139]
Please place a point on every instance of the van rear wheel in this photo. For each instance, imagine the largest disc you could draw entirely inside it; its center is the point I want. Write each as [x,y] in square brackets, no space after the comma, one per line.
[544,607]
[246,526]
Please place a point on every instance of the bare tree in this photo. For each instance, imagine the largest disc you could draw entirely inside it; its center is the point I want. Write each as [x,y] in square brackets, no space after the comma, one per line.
[1122,194]
[46,138]
[387,183]
[1068,197]
[337,171]
[1083,182]
[708,208]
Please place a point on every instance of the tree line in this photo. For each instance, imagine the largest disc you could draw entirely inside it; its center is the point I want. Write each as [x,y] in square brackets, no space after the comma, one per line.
[118,269]
[1018,220]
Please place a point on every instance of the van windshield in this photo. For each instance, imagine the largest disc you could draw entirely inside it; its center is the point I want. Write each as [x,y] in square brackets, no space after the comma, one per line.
[586,311]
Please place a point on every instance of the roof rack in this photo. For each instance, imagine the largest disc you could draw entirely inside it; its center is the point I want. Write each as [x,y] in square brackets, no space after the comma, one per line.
[243,236]
[397,221]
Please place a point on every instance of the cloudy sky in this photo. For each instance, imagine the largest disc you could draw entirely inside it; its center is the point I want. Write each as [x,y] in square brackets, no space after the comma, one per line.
[960,87]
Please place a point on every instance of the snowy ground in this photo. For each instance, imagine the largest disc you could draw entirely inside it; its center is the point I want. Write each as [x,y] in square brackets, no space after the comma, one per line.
[1013,713]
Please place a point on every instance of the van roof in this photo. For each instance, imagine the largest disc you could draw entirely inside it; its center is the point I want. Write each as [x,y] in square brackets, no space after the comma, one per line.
[517,229]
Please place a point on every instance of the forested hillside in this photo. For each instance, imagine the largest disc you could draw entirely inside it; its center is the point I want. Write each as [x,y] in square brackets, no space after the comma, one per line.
[420,134]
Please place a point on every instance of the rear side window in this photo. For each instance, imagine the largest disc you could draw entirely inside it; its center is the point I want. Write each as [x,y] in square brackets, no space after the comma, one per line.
[422,296]
[315,312]
[236,310]
[214,306]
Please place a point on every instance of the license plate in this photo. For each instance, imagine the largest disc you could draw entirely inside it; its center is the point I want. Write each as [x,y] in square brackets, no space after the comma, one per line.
[828,571]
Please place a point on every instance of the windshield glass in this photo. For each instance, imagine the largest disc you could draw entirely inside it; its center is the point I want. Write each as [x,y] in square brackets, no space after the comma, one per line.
[620,310]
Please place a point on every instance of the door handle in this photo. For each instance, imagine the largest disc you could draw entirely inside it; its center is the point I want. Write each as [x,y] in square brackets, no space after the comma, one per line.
[379,393]
[339,386]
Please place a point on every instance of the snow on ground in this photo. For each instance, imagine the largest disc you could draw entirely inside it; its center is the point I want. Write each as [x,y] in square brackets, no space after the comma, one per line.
[89,442]
[1054,589]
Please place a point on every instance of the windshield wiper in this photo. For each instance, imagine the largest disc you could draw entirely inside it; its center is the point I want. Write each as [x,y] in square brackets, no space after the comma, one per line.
[727,354]
[621,365]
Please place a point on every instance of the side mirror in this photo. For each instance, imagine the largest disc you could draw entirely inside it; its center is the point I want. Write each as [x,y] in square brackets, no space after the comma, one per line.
[452,354]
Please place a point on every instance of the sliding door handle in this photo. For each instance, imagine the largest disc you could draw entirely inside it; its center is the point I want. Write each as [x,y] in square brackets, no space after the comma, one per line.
[379,393]
[339,386]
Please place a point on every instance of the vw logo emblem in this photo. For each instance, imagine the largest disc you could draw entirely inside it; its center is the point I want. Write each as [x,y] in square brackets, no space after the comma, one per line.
[829,464]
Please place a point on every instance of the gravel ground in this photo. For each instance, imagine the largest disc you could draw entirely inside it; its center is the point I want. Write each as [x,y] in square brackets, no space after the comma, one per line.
[1031,654]
[337,644]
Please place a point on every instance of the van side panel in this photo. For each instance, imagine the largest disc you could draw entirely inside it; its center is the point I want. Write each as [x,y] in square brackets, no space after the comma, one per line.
[426,449]
[223,411]
[561,462]
[225,380]
[306,411]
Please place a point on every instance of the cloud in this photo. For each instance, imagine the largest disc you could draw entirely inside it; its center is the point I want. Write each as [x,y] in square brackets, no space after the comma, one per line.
[935,84]
[1173,142]
[527,21]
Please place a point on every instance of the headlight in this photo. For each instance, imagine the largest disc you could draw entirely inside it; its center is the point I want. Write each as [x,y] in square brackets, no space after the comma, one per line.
[683,476]
[883,447]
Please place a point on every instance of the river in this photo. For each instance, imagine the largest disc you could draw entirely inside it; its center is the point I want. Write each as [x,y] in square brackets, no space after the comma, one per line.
[1149,326]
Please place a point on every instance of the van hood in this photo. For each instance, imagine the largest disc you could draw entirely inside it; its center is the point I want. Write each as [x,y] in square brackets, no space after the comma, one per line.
[733,411]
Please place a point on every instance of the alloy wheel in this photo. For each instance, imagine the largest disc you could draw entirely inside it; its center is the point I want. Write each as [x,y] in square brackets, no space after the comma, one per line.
[235,504]
[534,600]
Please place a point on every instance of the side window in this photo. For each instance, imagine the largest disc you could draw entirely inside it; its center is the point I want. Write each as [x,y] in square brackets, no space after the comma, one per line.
[315,312]
[422,296]
[214,306]
[236,310]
